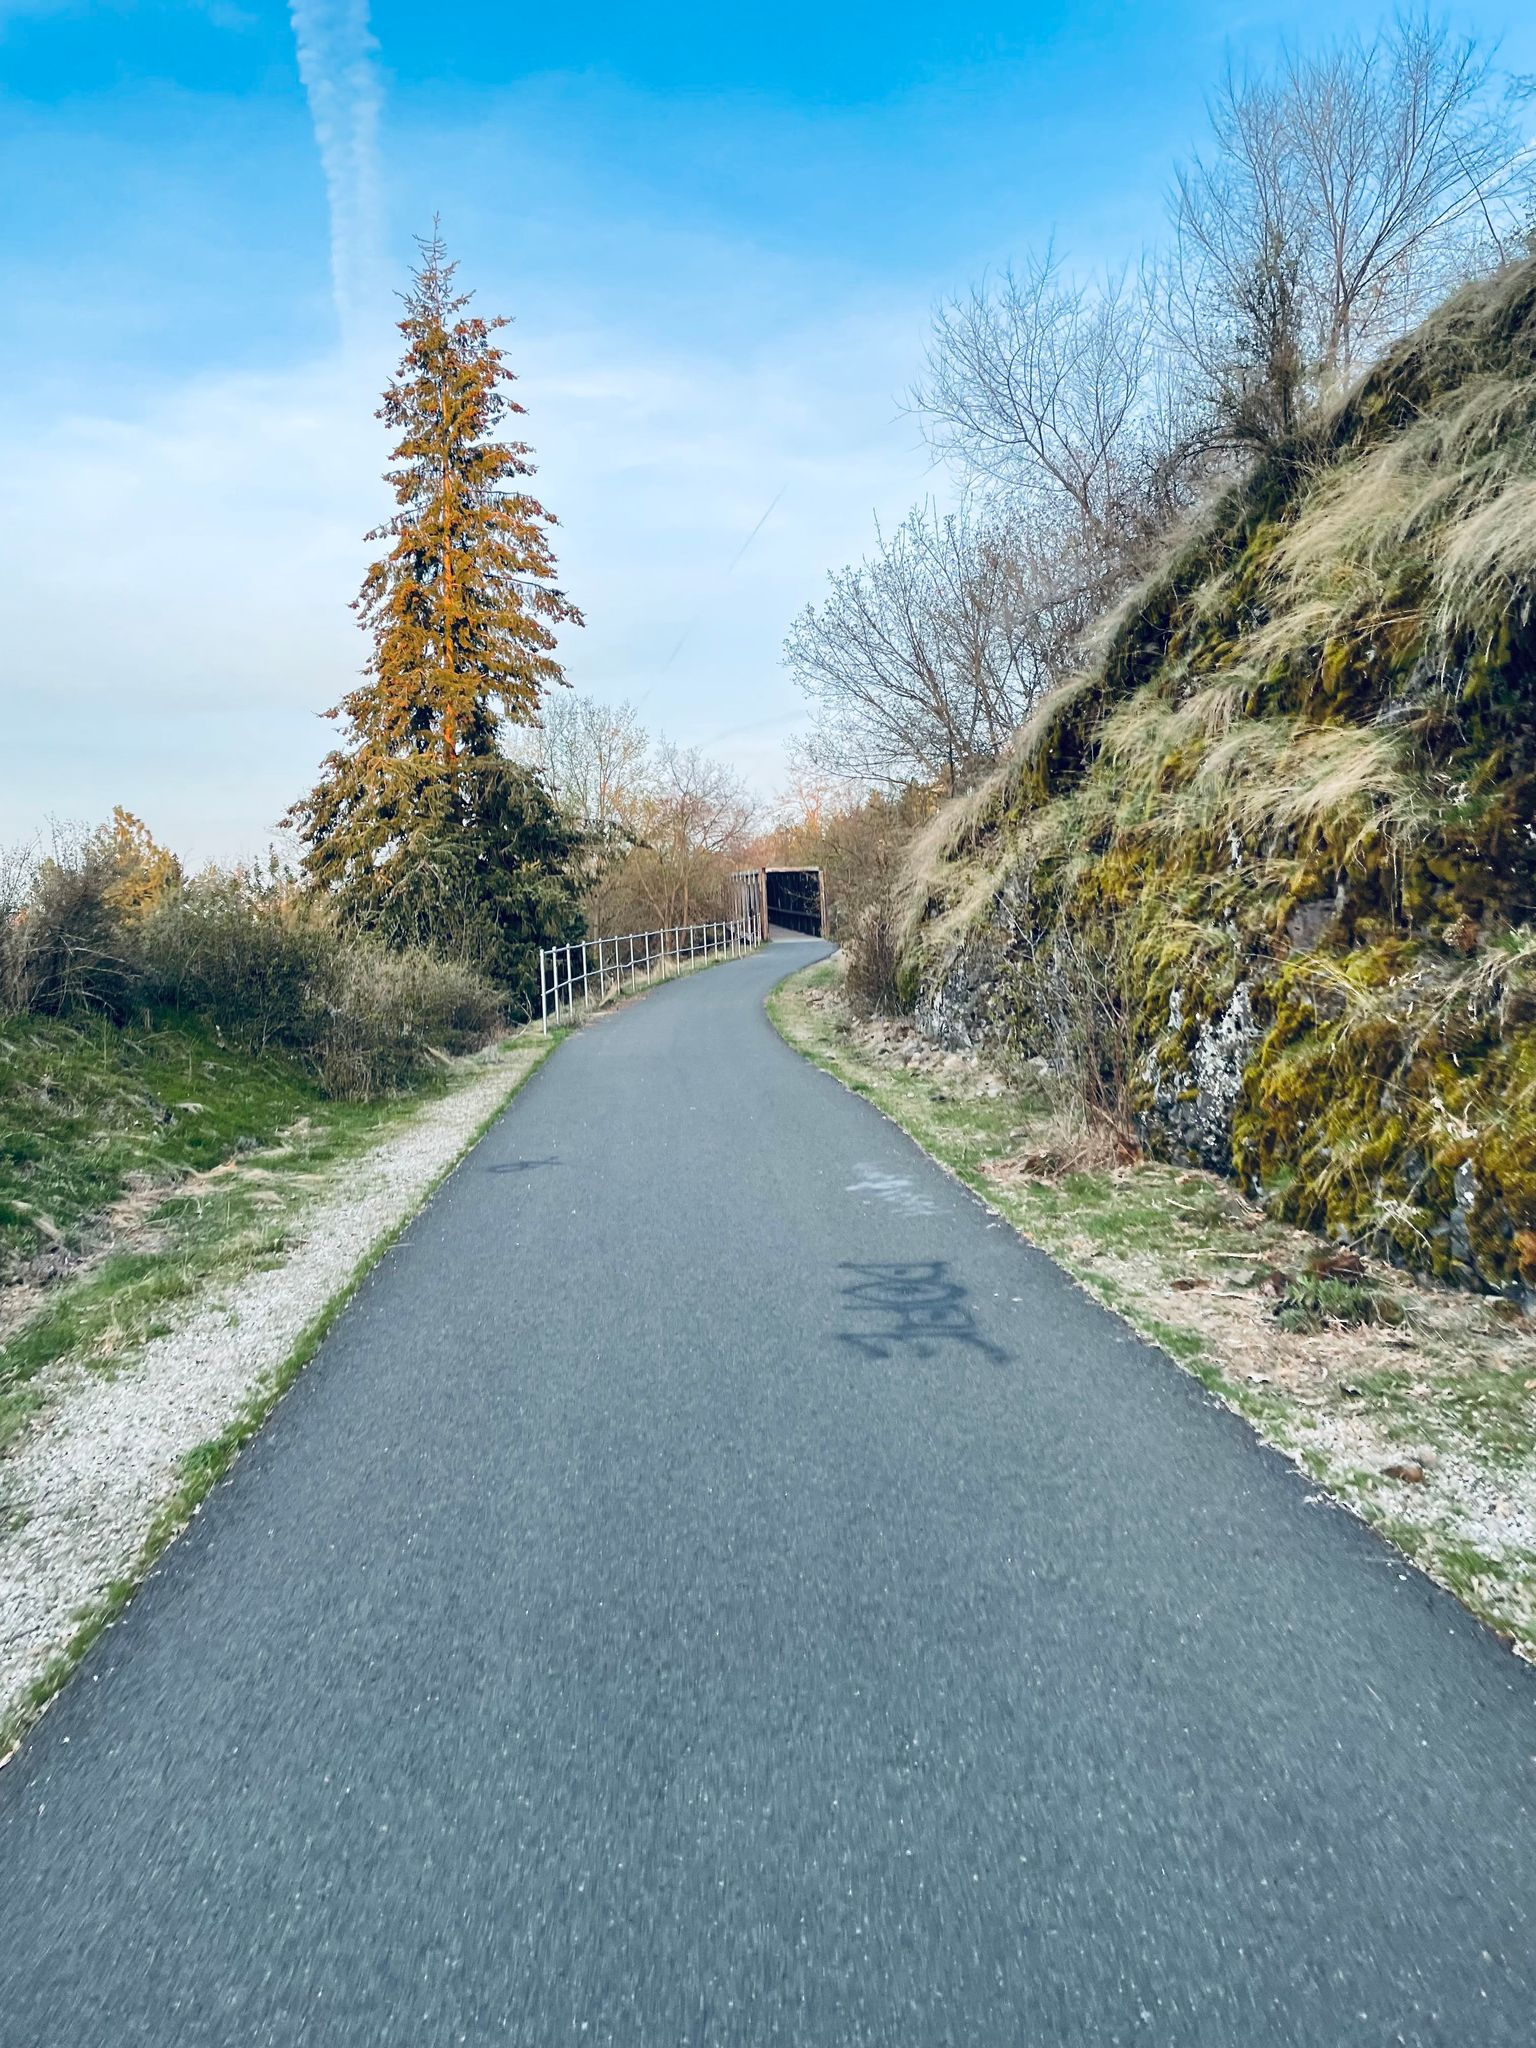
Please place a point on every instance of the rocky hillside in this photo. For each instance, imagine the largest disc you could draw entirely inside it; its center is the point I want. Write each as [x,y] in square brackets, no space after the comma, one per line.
[1264,878]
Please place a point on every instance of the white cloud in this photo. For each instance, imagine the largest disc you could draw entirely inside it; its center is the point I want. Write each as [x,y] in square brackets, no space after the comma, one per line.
[176,612]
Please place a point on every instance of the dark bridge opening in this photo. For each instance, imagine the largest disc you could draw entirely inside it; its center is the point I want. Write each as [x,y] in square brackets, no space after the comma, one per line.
[793,898]
[783,899]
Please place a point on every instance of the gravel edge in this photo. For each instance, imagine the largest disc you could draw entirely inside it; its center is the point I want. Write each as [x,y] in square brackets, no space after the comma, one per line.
[108,1477]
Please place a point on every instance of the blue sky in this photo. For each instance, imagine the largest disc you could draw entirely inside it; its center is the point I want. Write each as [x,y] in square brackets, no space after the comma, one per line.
[720,234]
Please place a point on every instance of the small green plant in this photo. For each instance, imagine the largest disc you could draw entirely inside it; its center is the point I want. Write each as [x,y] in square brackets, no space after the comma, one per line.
[1317,1301]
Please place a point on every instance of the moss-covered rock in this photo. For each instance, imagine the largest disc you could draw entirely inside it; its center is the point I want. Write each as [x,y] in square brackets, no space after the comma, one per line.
[1265,878]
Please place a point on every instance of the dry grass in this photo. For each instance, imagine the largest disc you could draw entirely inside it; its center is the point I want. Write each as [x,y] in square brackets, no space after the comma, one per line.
[1447,505]
[1275,776]
[949,844]
[1200,765]
[1488,558]
[1035,733]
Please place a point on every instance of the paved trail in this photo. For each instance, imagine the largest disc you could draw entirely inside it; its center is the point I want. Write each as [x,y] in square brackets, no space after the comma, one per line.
[715,1586]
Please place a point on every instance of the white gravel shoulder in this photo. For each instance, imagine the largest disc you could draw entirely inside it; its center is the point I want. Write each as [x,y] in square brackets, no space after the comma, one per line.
[81,1491]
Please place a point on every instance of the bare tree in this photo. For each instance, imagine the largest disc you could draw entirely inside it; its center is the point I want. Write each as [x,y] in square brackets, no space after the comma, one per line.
[1050,388]
[691,819]
[661,822]
[592,758]
[922,658]
[1343,193]
[1059,400]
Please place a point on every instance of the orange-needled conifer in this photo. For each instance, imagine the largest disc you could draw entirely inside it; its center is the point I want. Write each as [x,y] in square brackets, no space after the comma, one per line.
[461,610]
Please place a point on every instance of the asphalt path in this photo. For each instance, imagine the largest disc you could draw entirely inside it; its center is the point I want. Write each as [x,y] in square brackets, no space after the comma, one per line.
[715,1585]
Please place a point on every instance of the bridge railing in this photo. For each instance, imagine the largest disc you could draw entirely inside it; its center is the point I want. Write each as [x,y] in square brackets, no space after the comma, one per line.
[582,976]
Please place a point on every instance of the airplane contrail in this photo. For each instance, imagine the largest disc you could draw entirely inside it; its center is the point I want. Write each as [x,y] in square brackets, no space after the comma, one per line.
[752,536]
[336,51]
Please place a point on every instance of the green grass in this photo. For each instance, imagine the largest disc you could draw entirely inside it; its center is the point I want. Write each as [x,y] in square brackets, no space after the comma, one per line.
[91,1114]
[1492,1408]
[84,1108]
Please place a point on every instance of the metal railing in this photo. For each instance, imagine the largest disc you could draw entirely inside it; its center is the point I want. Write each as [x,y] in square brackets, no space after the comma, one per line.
[594,971]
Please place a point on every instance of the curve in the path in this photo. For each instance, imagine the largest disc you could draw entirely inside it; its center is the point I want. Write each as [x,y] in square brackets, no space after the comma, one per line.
[716,1586]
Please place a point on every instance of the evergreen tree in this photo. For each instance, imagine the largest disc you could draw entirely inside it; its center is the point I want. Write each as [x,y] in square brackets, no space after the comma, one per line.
[461,610]
[503,876]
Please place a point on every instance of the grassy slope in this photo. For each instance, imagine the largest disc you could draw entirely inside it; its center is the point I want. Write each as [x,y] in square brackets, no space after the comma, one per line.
[1185,1259]
[138,1165]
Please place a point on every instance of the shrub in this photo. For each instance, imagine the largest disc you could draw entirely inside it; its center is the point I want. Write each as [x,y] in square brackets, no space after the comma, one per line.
[380,1018]
[872,963]
[265,965]
[245,961]
[63,941]
[275,968]
[145,873]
